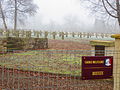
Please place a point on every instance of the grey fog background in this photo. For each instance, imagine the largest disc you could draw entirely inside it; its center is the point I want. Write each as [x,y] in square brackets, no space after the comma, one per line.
[67,15]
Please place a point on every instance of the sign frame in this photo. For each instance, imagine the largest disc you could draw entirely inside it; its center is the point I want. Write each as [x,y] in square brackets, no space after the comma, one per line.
[97,67]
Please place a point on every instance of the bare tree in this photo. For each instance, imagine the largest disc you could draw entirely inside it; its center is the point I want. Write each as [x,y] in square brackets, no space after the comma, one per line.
[2,14]
[106,7]
[21,9]
[15,14]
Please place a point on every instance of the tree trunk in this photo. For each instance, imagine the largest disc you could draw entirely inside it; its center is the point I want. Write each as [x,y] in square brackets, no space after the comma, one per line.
[15,16]
[3,17]
[118,10]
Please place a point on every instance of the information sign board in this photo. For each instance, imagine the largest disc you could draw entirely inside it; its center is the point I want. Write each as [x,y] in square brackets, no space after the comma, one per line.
[97,67]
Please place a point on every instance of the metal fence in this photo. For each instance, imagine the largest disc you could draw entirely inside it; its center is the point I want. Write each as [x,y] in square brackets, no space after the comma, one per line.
[48,70]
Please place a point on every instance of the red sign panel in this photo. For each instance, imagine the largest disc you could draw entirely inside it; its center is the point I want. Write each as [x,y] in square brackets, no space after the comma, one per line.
[97,67]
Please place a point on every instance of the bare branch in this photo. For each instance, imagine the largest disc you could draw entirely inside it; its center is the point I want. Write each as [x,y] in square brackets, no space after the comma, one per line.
[107,10]
[97,4]
[3,16]
[111,5]
[20,3]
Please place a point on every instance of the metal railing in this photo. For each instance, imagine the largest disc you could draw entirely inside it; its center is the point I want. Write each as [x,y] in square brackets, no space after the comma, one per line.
[48,70]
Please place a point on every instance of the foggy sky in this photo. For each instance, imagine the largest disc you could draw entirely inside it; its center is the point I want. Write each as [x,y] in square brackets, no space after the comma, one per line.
[56,11]
[62,15]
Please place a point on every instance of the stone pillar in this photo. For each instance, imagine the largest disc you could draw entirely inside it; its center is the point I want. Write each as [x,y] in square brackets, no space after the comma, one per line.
[116,65]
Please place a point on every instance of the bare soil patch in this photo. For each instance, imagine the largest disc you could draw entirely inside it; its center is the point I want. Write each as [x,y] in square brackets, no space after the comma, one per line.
[69,45]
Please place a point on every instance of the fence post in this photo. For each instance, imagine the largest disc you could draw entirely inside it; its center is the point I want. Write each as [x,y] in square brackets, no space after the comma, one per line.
[116,67]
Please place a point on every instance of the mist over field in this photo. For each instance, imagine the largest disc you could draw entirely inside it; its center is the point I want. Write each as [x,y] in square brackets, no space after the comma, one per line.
[65,15]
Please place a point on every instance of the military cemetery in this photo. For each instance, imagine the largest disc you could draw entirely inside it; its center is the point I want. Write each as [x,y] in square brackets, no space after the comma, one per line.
[59,45]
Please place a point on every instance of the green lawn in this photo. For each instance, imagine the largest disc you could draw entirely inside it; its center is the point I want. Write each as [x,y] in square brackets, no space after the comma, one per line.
[43,61]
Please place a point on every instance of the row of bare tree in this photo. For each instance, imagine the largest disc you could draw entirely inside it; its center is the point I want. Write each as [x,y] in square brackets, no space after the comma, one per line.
[16,11]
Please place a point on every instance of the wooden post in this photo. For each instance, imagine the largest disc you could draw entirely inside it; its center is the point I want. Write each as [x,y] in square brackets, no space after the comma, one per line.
[116,65]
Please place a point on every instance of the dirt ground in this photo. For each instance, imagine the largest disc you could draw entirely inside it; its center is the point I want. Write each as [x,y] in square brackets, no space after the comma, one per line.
[21,80]
[69,45]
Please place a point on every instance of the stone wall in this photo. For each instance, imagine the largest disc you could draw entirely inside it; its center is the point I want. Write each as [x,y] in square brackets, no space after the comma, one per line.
[107,51]
[15,43]
[3,49]
[35,43]
[109,46]
[40,43]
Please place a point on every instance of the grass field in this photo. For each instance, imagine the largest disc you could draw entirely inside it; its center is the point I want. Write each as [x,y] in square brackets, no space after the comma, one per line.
[59,58]
[62,62]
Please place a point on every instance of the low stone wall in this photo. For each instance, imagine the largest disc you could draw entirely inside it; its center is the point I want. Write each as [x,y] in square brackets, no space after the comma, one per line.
[109,46]
[3,49]
[15,43]
[35,43]
[40,43]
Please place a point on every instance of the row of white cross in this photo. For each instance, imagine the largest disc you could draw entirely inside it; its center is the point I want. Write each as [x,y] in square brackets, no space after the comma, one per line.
[46,34]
